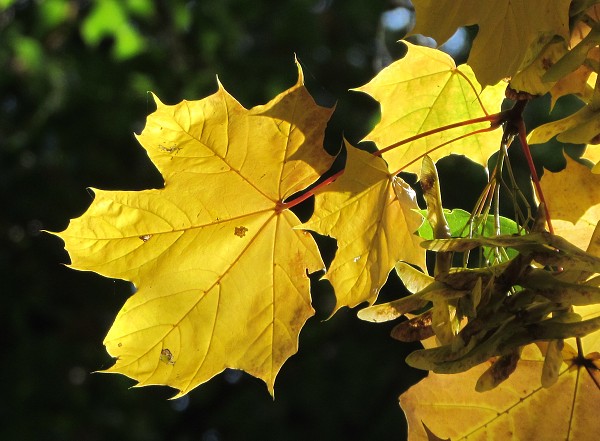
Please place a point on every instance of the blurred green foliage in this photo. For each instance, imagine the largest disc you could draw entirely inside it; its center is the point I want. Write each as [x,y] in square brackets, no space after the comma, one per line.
[73,90]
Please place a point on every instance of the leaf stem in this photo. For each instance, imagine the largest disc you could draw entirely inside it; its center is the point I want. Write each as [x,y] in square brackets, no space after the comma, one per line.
[475,132]
[534,175]
[495,121]
[287,205]
[580,353]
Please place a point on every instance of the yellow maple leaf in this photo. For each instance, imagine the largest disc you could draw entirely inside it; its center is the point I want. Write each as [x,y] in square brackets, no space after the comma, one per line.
[424,91]
[511,33]
[574,71]
[582,127]
[591,341]
[573,198]
[530,79]
[220,269]
[592,153]
[580,82]
[372,215]
[519,408]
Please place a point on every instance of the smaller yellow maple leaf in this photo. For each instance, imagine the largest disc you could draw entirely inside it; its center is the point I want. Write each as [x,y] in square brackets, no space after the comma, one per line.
[424,91]
[372,215]
[529,79]
[581,127]
[580,82]
[575,72]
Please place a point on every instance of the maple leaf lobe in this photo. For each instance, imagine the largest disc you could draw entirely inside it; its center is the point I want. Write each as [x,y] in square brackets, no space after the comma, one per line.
[511,33]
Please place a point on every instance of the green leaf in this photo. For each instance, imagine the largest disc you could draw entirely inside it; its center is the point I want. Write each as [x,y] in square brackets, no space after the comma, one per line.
[109,18]
[458,221]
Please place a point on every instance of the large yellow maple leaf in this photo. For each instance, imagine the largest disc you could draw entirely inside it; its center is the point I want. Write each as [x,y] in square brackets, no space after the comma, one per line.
[511,32]
[519,408]
[372,214]
[424,91]
[220,270]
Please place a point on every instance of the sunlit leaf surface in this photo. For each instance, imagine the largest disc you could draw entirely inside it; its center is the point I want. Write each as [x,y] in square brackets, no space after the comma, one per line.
[371,214]
[220,270]
[518,409]
[573,198]
[425,91]
[511,33]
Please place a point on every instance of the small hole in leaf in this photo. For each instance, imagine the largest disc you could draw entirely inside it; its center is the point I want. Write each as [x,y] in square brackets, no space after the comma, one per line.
[166,356]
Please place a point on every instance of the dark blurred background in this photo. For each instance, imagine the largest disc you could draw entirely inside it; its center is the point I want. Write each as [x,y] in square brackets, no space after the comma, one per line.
[74,77]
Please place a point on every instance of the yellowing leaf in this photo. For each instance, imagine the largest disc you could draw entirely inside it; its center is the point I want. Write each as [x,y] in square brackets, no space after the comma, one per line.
[592,153]
[371,214]
[511,33]
[425,91]
[576,83]
[573,198]
[591,341]
[582,127]
[220,269]
[530,78]
[573,58]
[517,409]
[575,71]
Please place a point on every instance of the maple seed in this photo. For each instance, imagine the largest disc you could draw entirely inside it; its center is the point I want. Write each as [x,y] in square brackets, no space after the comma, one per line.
[166,357]
[240,231]
[145,237]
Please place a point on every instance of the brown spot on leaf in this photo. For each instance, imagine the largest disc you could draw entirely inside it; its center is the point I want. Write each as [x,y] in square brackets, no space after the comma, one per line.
[240,231]
[166,357]
[145,237]
[427,182]
[595,139]
[547,63]
[498,372]
[169,149]
[417,328]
